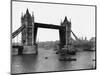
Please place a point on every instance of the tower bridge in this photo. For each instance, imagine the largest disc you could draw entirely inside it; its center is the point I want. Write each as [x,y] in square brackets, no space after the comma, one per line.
[29,30]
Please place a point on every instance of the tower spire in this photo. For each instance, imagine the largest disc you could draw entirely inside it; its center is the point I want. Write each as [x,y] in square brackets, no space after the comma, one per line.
[61,22]
[27,12]
[22,17]
[32,14]
[65,20]
[70,21]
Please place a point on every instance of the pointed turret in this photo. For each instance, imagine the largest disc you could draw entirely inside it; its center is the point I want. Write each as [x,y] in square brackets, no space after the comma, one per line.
[70,21]
[32,18]
[22,17]
[27,12]
[32,14]
[65,20]
[61,22]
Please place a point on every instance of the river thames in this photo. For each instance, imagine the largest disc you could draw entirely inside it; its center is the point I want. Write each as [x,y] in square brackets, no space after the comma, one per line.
[48,60]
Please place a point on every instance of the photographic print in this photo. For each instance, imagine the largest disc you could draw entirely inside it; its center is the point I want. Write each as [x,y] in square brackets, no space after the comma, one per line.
[52,37]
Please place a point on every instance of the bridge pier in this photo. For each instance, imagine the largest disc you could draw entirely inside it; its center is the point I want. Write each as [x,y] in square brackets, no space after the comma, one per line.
[20,50]
[36,48]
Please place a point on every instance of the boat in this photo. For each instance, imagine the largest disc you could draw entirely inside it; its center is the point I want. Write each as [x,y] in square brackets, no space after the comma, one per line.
[67,59]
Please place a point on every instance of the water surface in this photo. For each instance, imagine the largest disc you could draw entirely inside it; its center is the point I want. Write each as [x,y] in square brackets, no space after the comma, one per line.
[48,60]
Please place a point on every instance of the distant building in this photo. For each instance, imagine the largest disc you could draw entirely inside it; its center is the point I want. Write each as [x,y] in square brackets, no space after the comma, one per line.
[85,38]
[93,40]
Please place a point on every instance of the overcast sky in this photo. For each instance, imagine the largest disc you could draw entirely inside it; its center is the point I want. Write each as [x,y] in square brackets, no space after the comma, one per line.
[82,18]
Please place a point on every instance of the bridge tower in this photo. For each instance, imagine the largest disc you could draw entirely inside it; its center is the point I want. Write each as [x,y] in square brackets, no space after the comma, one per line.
[67,32]
[27,34]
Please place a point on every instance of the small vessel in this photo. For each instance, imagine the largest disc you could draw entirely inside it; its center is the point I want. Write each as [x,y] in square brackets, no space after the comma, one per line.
[46,57]
[67,59]
[70,51]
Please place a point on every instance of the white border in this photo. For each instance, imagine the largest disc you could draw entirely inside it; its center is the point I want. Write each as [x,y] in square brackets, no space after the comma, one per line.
[5,37]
